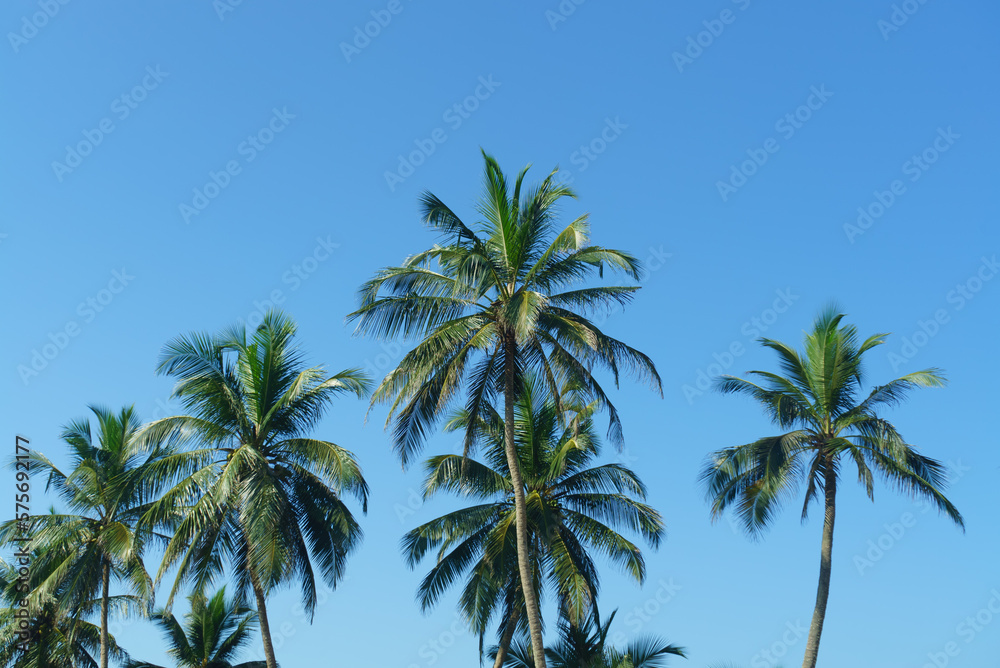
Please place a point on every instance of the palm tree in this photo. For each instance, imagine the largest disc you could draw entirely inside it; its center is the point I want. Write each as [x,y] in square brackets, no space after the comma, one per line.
[570,505]
[257,492]
[820,393]
[53,637]
[586,646]
[215,629]
[491,305]
[100,542]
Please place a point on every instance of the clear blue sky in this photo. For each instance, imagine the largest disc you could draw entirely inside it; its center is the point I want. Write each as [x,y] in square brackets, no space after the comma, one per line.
[308,131]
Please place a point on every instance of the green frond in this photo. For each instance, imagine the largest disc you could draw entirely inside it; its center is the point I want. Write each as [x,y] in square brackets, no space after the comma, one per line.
[819,389]
[466,477]
[755,478]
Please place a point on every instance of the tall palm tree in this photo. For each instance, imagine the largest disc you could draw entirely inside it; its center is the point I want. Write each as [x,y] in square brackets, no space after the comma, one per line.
[499,299]
[215,629]
[54,637]
[573,509]
[820,393]
[100,540]
[586,646]
[256,491]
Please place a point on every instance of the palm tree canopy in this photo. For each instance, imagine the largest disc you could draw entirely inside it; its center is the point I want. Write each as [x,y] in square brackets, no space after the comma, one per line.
[213,632]
[818,397]
[56,637]
[256,490]
[107,489]
[585,645]
[512,285]
[574,508]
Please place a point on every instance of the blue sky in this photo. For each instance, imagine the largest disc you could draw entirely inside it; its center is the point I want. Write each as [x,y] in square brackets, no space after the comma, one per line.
[766,158]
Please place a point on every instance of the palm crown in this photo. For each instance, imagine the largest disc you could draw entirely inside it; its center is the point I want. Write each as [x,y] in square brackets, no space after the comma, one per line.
[259,492]
[820,392]
[573,508]
[213,632]
[497,295]
[586,645]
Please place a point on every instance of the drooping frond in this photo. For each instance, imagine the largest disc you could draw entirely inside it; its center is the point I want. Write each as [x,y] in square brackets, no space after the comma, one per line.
[819,390]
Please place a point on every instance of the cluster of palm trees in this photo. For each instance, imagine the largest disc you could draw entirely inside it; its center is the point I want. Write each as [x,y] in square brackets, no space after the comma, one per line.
[506,354]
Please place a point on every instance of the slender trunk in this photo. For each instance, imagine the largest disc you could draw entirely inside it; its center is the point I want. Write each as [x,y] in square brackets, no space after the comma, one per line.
[825,563]
[258,592]
[105,598]
[520,508]
[265,627]
[508,635]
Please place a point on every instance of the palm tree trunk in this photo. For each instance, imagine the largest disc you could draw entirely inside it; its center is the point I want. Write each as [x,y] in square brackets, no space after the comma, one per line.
[508,635]
[105,598]
[265,626]
[520,508]
[825,563]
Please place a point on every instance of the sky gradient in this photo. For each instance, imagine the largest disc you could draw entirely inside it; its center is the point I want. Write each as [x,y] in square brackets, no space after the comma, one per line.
[176,167]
